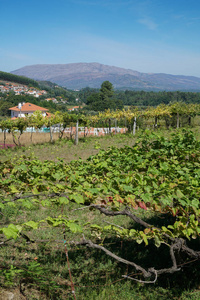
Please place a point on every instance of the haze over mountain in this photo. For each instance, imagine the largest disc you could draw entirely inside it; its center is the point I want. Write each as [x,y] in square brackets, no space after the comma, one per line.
[80,75]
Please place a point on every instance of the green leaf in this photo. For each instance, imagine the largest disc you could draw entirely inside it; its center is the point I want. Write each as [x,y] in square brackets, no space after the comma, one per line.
[31,224]
[46,202]
[127,188]
[132,232]
[60,186]
[179,194]
[108,227]
[139,240]
[145,238]
[57,223]
[13,189]
[77,198]
[23,167]
[11,231]
[63,200]
[157,241]
[27,204]
[195,203]
[146,197]
[57,176]
[74,227]
[2,206]
[35,191]
[95,226]
[93,191]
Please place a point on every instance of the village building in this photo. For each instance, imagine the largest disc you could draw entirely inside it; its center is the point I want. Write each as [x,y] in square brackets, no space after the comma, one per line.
[75,108]
[25,109]
[20,89]
[54,100]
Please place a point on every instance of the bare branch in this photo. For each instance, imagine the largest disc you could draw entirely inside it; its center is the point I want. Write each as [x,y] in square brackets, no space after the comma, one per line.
[142,281]
[146,273]
[109,253]
[125,212]
[179,245]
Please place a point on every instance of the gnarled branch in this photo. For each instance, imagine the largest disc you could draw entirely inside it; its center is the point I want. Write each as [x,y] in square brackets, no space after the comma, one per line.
[125,212]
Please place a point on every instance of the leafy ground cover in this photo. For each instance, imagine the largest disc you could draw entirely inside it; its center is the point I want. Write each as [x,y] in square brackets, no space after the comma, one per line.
[139,202]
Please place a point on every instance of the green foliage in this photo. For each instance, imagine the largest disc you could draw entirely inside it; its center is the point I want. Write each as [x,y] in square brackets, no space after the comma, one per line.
[106,90]
[142,98]
[157,173]
[4,108]
[104,99]
[86,92]
[158,179]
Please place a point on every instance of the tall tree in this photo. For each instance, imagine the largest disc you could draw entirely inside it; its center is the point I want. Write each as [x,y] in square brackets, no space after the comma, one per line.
[104,99]
[106,90]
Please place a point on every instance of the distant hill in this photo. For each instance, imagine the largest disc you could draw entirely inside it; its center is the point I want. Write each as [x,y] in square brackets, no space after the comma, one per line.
[80,75]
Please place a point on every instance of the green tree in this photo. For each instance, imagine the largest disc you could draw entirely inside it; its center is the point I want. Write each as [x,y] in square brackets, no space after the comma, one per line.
[104,99]
[4,108]
[94,102]
[106,90]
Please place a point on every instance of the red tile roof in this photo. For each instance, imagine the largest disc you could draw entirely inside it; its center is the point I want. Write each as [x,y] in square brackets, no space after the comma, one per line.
[28,107]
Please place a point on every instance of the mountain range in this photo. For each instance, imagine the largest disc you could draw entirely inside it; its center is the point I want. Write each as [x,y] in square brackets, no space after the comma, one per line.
[80,75]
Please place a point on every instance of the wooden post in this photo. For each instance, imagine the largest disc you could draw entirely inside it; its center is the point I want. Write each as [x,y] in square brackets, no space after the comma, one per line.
[134,126]
[189,120]
[51,135]
[76,135]
[110,126]
[32,134]
[177,125]
[84,131]
[4,140]
[71,133]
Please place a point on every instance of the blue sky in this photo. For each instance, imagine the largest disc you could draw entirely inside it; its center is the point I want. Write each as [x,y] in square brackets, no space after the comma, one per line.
[151,36]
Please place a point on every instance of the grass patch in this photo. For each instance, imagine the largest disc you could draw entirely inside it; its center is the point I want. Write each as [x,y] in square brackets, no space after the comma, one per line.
[65,148]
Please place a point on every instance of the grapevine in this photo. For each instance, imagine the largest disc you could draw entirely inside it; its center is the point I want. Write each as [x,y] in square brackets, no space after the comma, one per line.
[157,175]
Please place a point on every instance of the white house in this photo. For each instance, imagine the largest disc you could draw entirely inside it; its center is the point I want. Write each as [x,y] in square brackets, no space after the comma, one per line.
[74,108]
[25,109]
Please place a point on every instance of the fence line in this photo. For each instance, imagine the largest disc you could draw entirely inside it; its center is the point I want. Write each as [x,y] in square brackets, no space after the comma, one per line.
[87,131]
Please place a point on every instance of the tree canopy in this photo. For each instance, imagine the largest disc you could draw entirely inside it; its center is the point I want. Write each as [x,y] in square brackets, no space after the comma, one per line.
[104,99]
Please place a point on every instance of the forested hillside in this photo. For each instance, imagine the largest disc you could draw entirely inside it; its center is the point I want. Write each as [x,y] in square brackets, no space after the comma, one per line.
[18,79]
[143,98]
